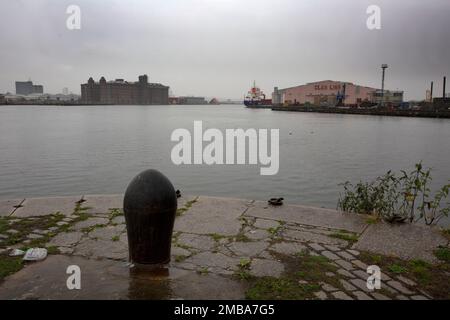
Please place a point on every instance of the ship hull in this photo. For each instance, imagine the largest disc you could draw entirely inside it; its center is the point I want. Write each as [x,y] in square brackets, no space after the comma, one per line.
[258,104]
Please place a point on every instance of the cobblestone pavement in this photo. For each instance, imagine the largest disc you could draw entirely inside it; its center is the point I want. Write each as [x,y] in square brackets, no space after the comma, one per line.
[215,240]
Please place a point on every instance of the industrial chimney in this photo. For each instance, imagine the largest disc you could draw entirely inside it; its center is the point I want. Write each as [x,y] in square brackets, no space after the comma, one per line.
[443,88]
[431,92]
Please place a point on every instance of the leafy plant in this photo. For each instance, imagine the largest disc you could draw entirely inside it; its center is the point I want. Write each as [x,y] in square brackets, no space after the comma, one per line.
[397,198]
[395,268]
[443,253]
[244,264]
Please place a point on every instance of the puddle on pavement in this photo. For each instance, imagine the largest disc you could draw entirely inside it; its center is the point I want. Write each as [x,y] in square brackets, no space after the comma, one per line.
[108,279]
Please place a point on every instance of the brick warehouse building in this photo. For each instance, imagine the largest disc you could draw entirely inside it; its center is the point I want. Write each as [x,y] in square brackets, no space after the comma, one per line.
[124,92]
[327,93]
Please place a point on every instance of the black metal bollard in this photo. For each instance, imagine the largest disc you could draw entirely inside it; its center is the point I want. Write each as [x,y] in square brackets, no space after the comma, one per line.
[150,206]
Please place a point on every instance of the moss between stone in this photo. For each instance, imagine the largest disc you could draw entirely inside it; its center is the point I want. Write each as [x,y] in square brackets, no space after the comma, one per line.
[244,264]
[275,232]
[187,206]
[92,228]
[446,233]
[180,258]
[443,254]
[350,237]
[81,212]
[203,271]
[242,273]
[301,279]
[53,250]
[217,237]
[372,219]
[9,265]
[115,212]
[395,268]
[182,246]
[284,288]
[25,226]
[4,224]
[433,279]
[246,221]
[241,237]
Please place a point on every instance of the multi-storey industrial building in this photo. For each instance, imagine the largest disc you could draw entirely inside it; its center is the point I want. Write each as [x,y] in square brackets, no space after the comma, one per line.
[124,92]
[27,88]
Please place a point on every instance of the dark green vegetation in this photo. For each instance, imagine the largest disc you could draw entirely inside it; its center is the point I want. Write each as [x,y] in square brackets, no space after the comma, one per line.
[9,265]
[443,254]
[22,228]
[433,279]
[446,233]
[397,197]
[280,289]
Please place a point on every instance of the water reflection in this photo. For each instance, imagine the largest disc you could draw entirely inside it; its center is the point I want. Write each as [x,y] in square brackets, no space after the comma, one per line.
[149,283]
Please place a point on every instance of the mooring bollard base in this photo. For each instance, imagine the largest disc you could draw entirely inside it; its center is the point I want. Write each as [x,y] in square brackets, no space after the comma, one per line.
[149,267]
[149,272]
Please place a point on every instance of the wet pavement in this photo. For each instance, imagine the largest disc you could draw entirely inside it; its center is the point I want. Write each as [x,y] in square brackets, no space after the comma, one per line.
[109,279]
[214,240]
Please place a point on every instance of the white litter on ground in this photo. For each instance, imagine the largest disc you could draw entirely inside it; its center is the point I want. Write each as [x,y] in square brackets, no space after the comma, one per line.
[16,253]
[35,254]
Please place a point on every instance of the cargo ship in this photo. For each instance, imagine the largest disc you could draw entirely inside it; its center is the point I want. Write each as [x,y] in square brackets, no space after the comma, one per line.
[256,99]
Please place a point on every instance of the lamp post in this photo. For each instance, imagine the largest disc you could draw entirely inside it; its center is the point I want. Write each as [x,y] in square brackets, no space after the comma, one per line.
[383,67]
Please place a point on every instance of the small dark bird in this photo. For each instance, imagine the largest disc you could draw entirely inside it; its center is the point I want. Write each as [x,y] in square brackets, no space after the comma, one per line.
[276,201]
[178,193]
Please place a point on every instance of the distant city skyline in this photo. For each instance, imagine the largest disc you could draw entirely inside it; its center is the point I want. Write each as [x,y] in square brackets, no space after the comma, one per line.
[217,48]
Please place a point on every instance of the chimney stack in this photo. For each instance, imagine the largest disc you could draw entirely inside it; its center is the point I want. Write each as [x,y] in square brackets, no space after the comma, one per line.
[431,92]
[443,88]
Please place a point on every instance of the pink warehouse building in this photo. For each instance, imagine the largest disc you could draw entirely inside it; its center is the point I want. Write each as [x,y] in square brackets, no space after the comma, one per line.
[328,93]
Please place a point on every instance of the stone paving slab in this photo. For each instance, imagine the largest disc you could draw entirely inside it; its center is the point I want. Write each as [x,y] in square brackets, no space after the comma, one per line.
[266,268]
[34,207]
[312,237]
[195,241]
[212,216]
[405,241]
[92,222]
[7,207]
[116,250]
[248,249]
[184,199]
[317,217]
[102,203]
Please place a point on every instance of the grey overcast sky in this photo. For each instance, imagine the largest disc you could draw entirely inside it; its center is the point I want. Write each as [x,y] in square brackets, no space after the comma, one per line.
[216,48]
